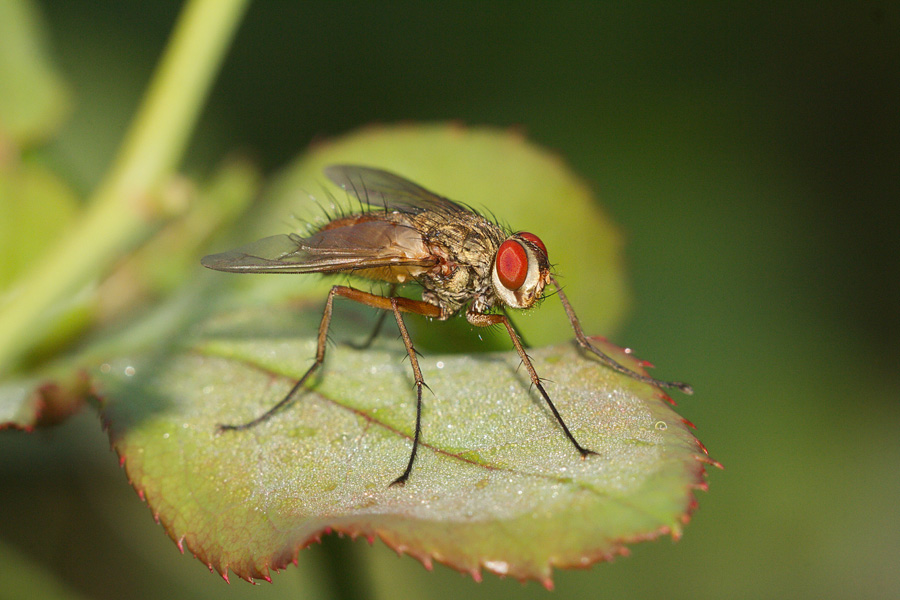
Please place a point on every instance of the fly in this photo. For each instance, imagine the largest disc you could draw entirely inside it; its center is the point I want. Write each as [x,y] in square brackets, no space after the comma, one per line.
[460,259]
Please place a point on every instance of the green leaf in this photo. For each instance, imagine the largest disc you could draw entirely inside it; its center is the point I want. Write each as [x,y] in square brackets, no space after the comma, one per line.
[496,486]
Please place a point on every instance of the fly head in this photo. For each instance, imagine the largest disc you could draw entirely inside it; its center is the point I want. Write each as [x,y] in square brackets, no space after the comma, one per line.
[521,270]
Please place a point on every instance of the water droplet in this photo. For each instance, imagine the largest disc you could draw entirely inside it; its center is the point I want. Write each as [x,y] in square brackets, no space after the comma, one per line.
[129,371]
[661,426]
[105,368]
[440,364]
[497,566]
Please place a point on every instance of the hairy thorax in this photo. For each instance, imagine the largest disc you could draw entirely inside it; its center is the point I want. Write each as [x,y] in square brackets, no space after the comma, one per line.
[465,247]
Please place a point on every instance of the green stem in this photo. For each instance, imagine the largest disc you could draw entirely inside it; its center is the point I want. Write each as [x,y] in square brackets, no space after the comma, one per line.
[121,213]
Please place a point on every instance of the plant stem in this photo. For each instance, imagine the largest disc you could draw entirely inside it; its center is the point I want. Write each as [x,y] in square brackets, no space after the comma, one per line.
[122,211]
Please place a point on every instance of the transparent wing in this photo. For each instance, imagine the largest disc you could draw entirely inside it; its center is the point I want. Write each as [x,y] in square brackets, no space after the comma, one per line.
[349,244]
[392,192]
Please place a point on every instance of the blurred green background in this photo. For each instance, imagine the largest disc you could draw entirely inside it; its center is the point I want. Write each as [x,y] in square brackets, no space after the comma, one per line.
[749,151]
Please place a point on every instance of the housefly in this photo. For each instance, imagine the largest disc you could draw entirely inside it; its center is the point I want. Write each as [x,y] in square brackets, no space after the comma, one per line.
[459,258]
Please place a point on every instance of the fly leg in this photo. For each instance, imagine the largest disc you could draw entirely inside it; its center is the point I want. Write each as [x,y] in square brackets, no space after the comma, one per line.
[397,305]
[420,383]
[378,324]
[393,304]
[320,358]
[585,343]
[521,337]
[486,320]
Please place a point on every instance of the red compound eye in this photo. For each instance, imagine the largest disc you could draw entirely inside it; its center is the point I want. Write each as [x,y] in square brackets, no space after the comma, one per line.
[534,240]
[512,264]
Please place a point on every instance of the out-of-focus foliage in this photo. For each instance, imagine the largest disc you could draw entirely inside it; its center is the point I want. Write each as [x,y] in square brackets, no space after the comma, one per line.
[33,98]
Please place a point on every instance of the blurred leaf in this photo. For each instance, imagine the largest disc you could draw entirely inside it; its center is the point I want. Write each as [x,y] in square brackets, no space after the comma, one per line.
[35,208]
[169,258]
[33,99]
[27,404]
[33,199]
[496,485]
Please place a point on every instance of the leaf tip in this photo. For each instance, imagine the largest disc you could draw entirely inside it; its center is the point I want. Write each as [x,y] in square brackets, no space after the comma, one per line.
[667,398]
[702,446]
[703,486]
